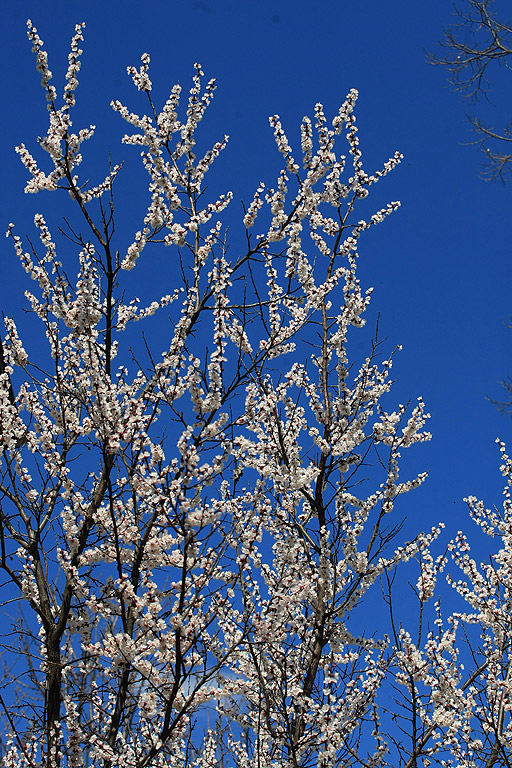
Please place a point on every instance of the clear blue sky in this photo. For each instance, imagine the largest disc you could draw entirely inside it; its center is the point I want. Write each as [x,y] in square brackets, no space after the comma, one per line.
[441,266]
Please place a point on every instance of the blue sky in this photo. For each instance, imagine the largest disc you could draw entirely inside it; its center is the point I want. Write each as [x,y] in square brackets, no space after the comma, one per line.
[440,266]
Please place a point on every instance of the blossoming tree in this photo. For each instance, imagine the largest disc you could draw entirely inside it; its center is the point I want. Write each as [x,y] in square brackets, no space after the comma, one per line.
[189,530]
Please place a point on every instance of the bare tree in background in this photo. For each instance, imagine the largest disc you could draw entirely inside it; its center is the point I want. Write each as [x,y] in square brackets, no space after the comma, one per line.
[478,43]
[194,517]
